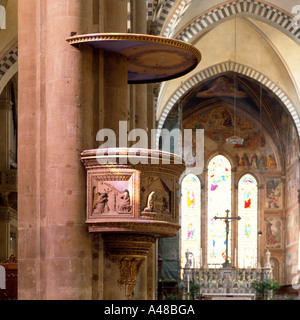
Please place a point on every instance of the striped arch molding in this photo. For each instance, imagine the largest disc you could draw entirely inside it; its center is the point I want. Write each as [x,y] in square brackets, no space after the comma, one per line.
[272,14]
[225,10]
[9,58]
[222,68]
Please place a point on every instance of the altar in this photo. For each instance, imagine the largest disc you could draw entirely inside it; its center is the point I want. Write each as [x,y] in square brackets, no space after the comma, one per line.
[227,283]
[225,296]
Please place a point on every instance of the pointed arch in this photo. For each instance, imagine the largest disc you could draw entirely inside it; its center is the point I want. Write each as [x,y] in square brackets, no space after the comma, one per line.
[222,68]
[8,64]
[276,16]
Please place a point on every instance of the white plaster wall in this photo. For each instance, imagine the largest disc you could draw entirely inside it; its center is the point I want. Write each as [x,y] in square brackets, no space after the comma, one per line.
[9,35]
[200,6]
[270,52]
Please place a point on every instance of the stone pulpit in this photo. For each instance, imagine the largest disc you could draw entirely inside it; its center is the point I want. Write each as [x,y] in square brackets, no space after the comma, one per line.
[131,205]
[132,193]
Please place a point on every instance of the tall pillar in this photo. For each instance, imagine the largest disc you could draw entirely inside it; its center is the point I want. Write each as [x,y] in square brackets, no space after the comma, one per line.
[8,215]
[56,100]
[151,274]
[113,68]
[115,92]
[5,111]
[139,91]
[113,16]
[139,121]
[4,233]
[113,107]
[5,107]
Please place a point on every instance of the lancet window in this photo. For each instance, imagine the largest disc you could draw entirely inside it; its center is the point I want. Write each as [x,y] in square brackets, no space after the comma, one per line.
[191,221]
[218,201]
[247,226]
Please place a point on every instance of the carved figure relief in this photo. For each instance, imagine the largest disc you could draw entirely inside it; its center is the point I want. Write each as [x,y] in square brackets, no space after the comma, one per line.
[100,203]
[124,205]
[158,196]
[150,204]
[111,197]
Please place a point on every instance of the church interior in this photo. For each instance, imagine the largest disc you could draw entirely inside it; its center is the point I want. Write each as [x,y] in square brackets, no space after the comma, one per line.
[84,217]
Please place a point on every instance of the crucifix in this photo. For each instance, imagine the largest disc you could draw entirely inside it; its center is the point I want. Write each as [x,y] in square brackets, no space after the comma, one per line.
[227,221]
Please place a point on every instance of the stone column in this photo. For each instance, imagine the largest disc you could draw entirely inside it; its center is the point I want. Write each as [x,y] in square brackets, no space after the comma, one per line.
[5,107]
[139,121]
[113,104]
[55,116]
[151,274]
[115,92]
[5,110]
[7,184]
[113,16]
[139,91]
[4,233]
[113,107]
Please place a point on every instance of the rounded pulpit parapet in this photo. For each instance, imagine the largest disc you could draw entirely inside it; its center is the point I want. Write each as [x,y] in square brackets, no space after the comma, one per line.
[132,200]
[132,190]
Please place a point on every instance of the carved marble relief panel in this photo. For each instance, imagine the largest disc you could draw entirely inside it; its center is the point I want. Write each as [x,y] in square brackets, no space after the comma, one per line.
[157,197]
[111,194]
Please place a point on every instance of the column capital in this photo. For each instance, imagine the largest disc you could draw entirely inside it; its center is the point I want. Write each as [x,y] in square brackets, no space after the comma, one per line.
[6,105]
[5,213]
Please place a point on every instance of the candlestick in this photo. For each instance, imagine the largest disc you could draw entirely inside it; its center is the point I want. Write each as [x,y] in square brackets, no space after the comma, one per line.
[200,257]
[235,258]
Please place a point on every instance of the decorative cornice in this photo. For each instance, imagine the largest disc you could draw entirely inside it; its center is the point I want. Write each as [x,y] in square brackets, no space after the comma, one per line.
[159,229]
[113,156]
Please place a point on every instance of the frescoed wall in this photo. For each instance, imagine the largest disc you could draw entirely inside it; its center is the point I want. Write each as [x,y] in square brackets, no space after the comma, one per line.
[292,205]
[268,153]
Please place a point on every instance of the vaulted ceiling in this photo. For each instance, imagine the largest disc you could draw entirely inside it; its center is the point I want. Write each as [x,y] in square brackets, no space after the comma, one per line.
[257,40]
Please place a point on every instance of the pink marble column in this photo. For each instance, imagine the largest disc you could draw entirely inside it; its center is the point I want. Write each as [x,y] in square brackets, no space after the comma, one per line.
[114,107]
[56,100]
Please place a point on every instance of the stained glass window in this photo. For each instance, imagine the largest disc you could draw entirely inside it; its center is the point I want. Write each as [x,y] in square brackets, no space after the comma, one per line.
[247,226]
[219,200]
[190,221]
